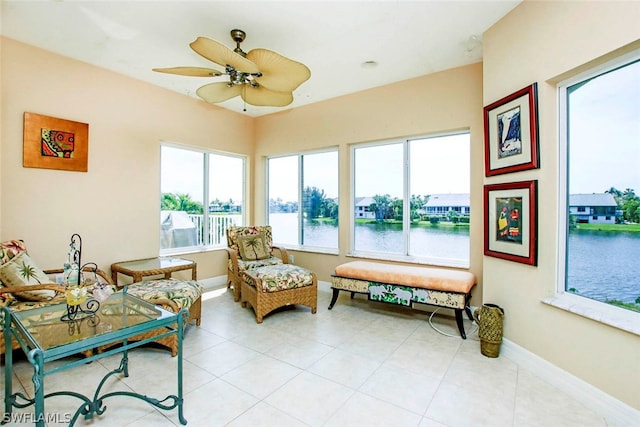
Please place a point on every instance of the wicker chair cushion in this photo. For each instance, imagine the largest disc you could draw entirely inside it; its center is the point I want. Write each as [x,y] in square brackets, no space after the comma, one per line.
[182,292]
[252,265]
[283,276]
[28,305]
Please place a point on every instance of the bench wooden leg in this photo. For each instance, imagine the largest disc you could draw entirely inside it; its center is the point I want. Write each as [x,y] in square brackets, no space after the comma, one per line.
[459,322]
[334,298]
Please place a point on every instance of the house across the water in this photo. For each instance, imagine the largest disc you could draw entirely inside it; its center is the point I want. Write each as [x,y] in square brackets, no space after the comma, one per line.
[596,208]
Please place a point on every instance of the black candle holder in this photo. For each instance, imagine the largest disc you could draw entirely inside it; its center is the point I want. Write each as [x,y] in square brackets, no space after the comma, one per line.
[78,306]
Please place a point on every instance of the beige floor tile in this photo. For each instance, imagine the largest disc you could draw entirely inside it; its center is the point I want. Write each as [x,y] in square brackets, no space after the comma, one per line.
[262,338]
[214,404]
[223,357]
[366,411]
[538,403]
[402,388]
[263,415]
[261,376]
[310,398]
[453,405]
[431,358]
[299,352]
[345,368]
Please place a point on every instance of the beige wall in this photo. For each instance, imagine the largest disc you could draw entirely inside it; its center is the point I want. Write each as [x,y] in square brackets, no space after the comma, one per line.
[127,118]
[115,204]
[447,101]
[537,42]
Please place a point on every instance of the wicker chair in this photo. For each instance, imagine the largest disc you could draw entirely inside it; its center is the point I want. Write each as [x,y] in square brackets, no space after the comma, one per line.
[236,264]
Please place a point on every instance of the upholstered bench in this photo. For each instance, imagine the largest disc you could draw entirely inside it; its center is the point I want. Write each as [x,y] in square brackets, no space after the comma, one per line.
[406,285]
[274,286]
[173,295]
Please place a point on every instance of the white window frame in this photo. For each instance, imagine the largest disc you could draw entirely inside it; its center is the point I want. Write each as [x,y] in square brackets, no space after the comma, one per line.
[406,190]
[205,190]
[300,155]
[599,311]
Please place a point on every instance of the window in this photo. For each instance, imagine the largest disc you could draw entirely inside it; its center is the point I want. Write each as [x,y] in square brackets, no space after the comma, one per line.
[190,180]
[600,135]
[411,199]
[303,199]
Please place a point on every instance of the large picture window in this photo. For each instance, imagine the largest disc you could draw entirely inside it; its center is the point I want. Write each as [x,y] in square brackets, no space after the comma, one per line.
[600,209]
[202,193]
[303,199]
[412,199]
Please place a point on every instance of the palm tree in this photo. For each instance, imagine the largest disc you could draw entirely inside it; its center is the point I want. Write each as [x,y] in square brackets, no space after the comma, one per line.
[253,243]
[28,272]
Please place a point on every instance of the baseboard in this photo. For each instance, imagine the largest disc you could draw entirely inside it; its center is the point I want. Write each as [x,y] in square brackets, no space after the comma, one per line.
[614,410]
[212,283]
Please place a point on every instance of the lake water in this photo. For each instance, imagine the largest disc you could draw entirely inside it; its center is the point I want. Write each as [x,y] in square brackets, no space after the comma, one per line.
[601,265]
[605,265]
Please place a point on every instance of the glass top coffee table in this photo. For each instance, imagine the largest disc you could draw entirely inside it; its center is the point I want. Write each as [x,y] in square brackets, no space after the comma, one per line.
[44,337]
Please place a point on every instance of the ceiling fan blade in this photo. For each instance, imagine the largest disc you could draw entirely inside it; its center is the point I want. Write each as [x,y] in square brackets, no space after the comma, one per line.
[279,73]
[263,97]
[190,71]
[218,92]
[222,55]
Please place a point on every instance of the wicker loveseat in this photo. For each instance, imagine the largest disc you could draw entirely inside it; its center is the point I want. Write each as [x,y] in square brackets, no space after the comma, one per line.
[172,295]
[249,248]
[44,292]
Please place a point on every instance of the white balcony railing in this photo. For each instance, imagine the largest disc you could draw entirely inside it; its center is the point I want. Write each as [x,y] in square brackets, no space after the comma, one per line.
[218,225]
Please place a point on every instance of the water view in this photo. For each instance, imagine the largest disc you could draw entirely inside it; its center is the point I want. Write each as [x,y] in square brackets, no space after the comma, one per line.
[602,265]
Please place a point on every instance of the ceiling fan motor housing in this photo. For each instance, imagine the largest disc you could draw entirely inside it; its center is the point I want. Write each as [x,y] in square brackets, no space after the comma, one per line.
[238,36]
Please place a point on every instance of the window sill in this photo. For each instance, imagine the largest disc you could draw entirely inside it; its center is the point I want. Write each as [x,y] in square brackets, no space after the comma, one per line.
[620,318]
[436,262]
[310,249]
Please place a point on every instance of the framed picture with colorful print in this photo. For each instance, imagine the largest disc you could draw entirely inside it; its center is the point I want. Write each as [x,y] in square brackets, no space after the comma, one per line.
[511,133]
[511,223]
[52,143]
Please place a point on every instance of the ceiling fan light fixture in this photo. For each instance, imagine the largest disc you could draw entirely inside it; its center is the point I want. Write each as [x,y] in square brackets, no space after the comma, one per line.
[260,77]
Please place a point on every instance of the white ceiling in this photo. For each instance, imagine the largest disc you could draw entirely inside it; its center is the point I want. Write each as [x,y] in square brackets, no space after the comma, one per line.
[333,38]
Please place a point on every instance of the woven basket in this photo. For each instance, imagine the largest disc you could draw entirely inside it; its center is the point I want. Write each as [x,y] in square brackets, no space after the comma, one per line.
[490,349]
[489,318]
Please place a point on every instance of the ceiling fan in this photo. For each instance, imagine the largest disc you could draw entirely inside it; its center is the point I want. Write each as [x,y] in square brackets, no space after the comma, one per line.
[260,77]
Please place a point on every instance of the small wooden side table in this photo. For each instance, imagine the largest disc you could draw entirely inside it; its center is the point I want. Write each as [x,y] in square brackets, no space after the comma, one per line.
[152,267]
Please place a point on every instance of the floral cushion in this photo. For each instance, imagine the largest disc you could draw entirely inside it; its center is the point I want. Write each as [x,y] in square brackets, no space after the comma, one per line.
[253,247]
[252,265]
[17,305]
[281,277]
[182,292]
[22,271]
[10,249]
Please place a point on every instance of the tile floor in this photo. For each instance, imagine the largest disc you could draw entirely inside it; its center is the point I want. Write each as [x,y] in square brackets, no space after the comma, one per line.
[360,364]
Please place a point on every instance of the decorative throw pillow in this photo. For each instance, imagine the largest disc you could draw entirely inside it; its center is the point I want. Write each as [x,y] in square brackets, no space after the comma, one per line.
[253,247]
[21,271]
[10,249]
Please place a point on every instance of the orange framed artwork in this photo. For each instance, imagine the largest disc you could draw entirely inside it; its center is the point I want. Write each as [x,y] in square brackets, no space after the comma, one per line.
[52,143]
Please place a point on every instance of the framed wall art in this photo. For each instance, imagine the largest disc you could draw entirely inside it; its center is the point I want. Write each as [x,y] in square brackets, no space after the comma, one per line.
[511,133]
[510,229]
[52,143]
